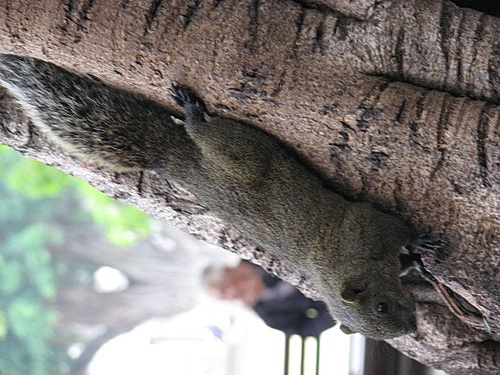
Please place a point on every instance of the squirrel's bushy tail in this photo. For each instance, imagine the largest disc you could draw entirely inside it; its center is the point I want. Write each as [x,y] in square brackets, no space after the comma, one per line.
[89,119]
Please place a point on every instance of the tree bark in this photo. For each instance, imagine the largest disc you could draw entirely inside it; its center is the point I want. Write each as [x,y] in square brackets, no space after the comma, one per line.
[392,102]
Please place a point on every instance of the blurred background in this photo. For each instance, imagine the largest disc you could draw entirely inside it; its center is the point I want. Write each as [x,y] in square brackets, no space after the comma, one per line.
[91,286]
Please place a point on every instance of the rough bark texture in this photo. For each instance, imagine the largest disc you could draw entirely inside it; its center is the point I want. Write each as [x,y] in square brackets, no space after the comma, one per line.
[393,102]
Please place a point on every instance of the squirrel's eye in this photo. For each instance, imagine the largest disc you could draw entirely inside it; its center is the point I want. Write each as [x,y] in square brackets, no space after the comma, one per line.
[382,307]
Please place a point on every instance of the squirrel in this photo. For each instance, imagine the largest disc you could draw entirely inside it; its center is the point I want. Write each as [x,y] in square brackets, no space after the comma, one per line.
[350,250]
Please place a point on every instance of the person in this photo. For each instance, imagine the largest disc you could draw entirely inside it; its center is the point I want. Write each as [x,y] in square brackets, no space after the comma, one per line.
[279,304]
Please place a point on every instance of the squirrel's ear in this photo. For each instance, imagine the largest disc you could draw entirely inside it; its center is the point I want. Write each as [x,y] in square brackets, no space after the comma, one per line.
[346,330]
[351,291]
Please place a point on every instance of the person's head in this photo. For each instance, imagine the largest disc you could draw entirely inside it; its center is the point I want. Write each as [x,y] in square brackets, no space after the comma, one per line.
[242,282]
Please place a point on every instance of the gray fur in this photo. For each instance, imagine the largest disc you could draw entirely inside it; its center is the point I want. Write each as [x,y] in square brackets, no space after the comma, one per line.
[350,250]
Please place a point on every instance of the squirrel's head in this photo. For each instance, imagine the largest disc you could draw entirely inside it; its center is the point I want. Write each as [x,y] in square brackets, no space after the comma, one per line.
[376,308]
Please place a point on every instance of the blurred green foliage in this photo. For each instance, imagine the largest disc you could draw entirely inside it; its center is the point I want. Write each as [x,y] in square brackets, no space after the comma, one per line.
[27,282]
[124,224]
[32,198]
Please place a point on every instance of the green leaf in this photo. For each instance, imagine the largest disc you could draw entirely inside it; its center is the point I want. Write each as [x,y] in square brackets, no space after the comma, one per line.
[124,224]
[4,328]
[32,178]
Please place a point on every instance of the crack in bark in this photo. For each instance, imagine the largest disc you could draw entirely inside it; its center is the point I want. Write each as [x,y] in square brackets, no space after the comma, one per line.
[293,55]
[442,125]
[482,152]
[344,13]
[300,25]
[192,10]
[494,71]
[378,160]
[140,182]
[305,4]
[86,8]
[459,73]
[81,15]
[445,21]
[77,18]
[152,14]
[8,24]
[68,17]
[340,28]
[400,51]
[458,76]
[217,3]
[280,84]
[319,38]
[439,164]
[383,86]
[373,96]
[68,5]
[31,142]
[254,29]
[402,109]
[341,142]
[419,112]
[31,134]
[477,38]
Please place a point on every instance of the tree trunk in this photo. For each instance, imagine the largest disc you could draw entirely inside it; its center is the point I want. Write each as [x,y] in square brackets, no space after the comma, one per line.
[392,102]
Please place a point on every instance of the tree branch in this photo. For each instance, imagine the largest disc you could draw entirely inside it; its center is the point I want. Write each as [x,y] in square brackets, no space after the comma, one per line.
[333,88]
